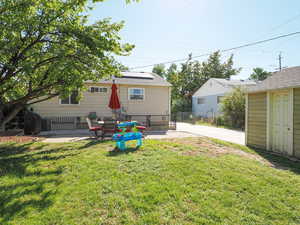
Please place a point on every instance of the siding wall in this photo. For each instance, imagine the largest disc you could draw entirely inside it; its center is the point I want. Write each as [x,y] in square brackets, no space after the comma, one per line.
[156,102]
[209,108]
[297,122]
[210,92]
[257,120]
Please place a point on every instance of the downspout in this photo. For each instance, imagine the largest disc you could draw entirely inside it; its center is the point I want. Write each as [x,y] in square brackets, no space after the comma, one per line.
[170,89]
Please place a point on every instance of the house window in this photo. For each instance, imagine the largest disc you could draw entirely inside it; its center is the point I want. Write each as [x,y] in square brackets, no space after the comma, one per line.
[70,100]
[98,89]
[219,99]
[136,93]
[200,101]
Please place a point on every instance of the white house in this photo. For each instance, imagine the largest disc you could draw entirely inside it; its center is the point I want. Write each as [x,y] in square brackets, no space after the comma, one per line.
[206,100]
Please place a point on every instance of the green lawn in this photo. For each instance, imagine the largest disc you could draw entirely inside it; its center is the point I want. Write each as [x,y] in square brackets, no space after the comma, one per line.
[188,181]
[203,123]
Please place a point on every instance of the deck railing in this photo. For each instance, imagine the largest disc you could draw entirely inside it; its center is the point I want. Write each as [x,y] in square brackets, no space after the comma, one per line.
[152,122]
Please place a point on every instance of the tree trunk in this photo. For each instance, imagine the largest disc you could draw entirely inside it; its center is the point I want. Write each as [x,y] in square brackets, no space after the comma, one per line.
[2,128]
[1,119]
[10,115]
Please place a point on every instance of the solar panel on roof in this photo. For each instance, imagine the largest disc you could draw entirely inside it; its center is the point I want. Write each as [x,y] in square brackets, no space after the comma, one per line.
[137,75]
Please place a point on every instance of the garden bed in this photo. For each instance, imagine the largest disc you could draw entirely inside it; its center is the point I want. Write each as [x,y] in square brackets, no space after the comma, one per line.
[17,136]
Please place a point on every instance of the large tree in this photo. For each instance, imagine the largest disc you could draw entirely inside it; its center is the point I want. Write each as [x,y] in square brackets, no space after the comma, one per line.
[160,70]
[192,75]
[48,48]
[259,74]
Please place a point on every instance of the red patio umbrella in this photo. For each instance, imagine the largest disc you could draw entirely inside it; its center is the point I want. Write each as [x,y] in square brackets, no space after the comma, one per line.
[114,102]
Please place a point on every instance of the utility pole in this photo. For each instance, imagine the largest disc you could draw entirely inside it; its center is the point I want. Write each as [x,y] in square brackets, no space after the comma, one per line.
[280,61]
[190,57]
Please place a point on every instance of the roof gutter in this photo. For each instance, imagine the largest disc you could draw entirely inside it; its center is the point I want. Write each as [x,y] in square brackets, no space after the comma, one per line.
[273,89]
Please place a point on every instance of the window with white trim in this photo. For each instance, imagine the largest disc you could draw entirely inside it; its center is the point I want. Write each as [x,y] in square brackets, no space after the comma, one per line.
[70,100]
[136,93]
[200,101]
[98,89]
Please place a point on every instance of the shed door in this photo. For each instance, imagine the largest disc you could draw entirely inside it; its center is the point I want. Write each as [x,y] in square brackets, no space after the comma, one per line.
[280,123]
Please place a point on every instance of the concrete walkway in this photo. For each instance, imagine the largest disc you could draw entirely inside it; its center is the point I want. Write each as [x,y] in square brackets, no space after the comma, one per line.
[233,136]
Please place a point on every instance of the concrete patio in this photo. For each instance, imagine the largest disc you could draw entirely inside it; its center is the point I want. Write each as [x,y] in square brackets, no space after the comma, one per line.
[61,136]
[183,130]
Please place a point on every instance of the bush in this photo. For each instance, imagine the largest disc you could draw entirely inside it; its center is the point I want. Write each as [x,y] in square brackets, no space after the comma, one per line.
[219,121]
[181,105]
[233,108]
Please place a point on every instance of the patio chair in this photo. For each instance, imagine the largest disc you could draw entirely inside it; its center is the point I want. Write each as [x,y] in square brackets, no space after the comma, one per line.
[108,128]
[141,129]
[92,128]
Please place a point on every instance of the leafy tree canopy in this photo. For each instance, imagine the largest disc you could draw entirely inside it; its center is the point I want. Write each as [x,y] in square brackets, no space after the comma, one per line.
[259,74]
[160,70]
[48,48]
[190,76]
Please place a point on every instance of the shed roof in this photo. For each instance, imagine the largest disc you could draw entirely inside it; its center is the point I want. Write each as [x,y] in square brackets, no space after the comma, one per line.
[285,78]
[136,78]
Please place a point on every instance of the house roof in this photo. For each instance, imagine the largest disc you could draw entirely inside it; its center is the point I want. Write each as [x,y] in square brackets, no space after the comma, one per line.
[136,78]
[226,86]
[234,83]
[286,78]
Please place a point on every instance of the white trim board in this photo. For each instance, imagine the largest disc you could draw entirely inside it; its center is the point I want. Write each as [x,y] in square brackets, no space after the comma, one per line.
[246,121]
[269,107]
[291,121]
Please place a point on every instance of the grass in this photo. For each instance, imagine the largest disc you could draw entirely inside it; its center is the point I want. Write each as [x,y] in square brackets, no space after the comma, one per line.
[203,123]
[164,182]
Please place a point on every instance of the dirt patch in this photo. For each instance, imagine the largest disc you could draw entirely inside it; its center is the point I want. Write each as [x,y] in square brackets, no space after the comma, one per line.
[207,147]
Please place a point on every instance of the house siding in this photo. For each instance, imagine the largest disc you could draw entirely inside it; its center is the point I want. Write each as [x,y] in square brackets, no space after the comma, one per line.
[257,120]
[156,102]
[297,122]
[210,92]
[210,107]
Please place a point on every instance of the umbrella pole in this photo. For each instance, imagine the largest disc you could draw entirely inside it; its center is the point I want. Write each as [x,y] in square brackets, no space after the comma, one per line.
[114,116]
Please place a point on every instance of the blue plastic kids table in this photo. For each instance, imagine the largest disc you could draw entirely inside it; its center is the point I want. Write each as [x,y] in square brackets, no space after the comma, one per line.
[122,137]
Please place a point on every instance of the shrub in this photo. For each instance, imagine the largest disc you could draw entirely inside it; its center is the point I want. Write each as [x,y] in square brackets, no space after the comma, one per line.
[219,121]
[233,108]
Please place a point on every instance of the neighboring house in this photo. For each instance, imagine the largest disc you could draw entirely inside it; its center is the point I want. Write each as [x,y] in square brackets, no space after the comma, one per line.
[273,113]
[139,93]
[206,101]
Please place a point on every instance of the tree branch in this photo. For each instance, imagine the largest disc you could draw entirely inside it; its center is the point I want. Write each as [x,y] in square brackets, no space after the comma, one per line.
[44,99]
[15,60]
[12,114]
[34,94]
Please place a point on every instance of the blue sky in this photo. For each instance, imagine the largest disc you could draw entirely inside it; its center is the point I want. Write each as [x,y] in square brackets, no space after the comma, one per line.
[164,30]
